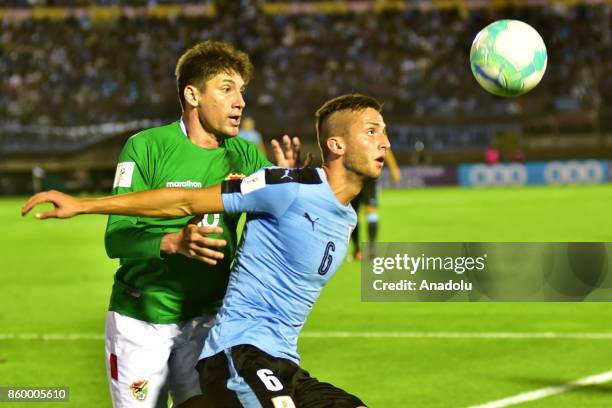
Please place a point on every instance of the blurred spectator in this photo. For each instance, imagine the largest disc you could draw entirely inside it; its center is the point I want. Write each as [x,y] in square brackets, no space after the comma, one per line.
[420,155]
[491,155]
[519,155]
[251,134]
[38,174]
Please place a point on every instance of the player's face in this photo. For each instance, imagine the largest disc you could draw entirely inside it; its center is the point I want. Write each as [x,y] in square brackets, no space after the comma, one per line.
[221,104]
[366,143]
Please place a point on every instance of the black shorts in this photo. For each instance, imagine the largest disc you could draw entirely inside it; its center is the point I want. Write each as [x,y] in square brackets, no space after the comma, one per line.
[368,195]
[247,377]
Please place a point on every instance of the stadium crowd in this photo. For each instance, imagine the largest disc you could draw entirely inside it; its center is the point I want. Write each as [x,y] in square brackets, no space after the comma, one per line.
[80,71]
[80,3]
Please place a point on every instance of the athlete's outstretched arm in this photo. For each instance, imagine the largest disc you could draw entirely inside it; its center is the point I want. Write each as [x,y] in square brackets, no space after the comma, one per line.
[162,203]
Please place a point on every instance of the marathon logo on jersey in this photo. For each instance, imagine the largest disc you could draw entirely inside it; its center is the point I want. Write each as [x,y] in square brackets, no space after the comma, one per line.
[140,389]
[254,182]
[123,175]
[184,184]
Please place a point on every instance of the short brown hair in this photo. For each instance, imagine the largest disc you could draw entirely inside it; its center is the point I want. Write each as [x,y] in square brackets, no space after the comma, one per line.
[205,60]
[350,102]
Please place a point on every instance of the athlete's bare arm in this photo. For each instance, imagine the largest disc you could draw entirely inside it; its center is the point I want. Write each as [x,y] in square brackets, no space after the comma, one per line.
[162,203]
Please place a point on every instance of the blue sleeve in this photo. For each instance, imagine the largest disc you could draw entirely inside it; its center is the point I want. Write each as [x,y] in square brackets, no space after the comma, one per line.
[253,195]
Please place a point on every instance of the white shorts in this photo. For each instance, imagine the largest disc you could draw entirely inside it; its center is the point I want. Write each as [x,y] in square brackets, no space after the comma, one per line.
[146,361]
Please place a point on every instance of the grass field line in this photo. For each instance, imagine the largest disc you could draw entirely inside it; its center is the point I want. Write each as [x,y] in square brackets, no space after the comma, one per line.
[460,335]
[353,334]
[548,391]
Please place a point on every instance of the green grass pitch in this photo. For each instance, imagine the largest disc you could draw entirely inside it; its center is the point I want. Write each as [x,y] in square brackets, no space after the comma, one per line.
[56,279]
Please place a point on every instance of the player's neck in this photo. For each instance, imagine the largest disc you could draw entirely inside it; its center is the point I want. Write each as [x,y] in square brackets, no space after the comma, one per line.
[197,134]
[345,184]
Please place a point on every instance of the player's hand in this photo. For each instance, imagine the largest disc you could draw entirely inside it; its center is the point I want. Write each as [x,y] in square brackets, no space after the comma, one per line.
[192,242]
[65,206]
[289,155]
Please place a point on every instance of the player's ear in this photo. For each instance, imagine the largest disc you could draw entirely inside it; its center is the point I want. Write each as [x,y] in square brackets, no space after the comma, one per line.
[336,145]
[191,96]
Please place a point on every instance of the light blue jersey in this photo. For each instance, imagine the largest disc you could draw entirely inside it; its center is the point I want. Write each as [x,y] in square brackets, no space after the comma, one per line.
[295,239]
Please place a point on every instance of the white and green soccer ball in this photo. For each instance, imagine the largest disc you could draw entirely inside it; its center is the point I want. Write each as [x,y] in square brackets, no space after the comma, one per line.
[508,58]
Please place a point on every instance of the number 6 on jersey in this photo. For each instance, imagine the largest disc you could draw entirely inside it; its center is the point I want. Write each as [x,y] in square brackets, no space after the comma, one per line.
[269,380]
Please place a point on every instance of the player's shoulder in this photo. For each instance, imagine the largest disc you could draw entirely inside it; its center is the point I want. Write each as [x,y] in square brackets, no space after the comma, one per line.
[156,134]
[240,144]
[237,141]
[280,175]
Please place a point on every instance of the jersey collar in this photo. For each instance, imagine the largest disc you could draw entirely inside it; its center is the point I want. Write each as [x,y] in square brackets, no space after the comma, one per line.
[183,128]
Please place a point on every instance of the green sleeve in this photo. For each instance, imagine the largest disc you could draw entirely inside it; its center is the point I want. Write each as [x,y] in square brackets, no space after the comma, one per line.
[260,160]
[124,238]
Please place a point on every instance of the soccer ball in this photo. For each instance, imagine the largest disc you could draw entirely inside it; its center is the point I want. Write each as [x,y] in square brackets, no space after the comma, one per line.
[508,58]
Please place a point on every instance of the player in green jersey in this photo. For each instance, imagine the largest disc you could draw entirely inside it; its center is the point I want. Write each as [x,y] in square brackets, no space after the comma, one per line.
[173,273]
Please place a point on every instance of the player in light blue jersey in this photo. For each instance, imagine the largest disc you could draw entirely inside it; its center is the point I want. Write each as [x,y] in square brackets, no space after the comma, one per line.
[299,227]
[297,232]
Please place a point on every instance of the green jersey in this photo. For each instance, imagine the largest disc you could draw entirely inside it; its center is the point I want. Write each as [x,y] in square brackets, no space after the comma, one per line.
[169,289]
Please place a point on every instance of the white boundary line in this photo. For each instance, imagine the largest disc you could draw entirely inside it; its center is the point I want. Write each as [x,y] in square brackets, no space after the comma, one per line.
[353,334]
[462,335]
[513,400]
[548,391]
